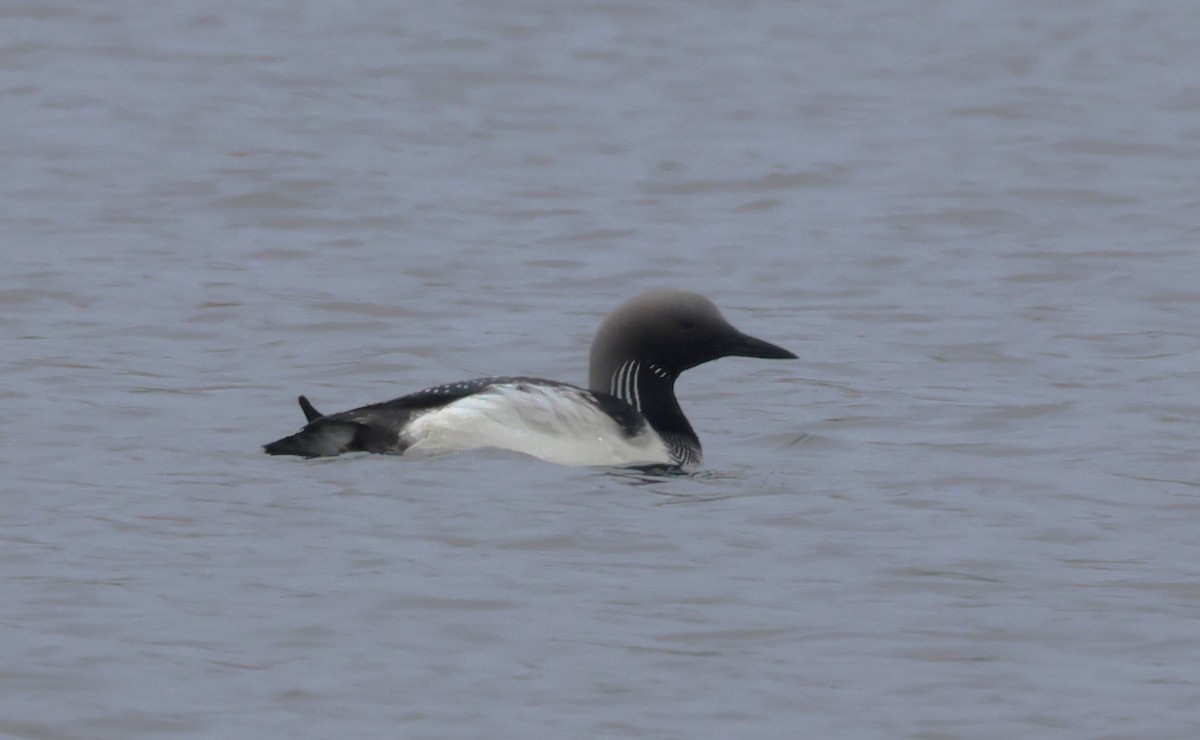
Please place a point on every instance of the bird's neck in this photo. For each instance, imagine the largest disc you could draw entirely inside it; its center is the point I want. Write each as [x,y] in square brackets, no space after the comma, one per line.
[651,390]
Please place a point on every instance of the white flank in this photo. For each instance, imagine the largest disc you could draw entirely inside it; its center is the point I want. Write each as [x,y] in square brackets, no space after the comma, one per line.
[554,423]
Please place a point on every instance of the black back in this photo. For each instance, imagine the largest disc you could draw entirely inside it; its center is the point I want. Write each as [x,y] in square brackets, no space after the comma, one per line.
[379,427]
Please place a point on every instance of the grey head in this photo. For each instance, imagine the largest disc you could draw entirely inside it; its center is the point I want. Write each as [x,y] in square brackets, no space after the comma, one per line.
[643,346]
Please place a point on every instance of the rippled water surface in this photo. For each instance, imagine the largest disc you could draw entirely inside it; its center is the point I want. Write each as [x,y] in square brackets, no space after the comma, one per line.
[969,511]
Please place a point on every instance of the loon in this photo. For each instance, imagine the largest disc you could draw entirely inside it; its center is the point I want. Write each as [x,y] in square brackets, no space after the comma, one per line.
[628,415]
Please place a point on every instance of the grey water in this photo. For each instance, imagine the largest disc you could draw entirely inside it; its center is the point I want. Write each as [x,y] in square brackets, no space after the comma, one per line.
[970,510]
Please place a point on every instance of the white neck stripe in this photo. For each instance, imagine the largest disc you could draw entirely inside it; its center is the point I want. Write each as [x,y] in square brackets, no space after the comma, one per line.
[624,384]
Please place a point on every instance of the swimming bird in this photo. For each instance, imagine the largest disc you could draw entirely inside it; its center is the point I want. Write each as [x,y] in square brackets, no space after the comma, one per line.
[628,415]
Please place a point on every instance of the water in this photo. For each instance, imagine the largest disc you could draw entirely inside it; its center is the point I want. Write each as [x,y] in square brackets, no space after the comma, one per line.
[969,511]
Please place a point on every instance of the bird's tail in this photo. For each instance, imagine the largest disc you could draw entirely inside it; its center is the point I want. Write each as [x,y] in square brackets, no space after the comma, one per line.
[318,440]
[326,436]
[315,440]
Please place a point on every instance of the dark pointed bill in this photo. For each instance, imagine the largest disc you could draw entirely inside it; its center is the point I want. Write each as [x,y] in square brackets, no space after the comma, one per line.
[744,345]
